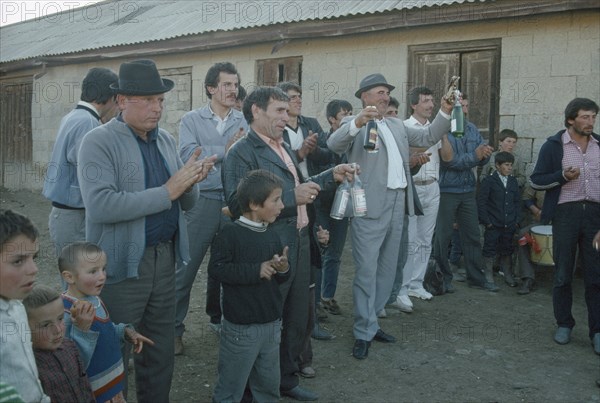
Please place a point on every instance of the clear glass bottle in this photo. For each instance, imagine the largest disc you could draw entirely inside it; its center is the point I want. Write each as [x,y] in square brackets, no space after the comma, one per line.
[371,137]
[457,121]
[359,200]
[340,201]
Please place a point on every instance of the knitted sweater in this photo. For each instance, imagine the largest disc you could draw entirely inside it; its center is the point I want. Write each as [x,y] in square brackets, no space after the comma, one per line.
[235,261]
[113,185]
[100,349]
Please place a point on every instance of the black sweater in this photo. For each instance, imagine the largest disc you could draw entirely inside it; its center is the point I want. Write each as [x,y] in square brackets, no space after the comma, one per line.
[235,260]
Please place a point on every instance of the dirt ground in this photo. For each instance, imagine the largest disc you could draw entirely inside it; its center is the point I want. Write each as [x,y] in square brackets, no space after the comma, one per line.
[470,346]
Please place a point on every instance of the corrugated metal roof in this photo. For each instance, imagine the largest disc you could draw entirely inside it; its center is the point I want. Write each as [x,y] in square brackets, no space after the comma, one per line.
[118,23]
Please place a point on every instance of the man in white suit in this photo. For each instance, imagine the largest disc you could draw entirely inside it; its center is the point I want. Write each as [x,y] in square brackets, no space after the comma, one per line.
[390,194]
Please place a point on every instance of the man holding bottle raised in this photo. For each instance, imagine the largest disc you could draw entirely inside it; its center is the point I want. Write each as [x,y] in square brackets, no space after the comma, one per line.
[389,189]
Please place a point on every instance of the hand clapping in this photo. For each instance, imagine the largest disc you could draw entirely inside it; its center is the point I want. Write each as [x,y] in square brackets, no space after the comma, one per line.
[276,264]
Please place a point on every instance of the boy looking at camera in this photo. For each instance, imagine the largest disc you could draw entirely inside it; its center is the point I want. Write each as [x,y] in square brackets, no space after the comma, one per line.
[250,262]
[61,370]
[499,206]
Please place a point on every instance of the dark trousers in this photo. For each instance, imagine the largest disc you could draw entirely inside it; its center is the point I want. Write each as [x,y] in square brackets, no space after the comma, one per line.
[295,294]
[148,303]
[498,241]
[306,357]
[574,226]
[460,208]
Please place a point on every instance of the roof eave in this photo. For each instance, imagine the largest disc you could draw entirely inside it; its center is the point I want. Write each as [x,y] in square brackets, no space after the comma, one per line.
[417,17]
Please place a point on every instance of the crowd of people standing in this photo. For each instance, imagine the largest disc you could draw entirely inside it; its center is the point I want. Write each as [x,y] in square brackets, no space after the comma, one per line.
[137,213]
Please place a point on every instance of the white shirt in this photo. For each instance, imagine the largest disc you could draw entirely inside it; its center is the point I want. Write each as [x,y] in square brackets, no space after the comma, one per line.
[396,175]
[17,362]
[220,122]
[296,140]
[430,170]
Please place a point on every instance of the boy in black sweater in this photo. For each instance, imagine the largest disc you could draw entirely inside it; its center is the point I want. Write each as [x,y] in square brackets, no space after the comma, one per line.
[250,262]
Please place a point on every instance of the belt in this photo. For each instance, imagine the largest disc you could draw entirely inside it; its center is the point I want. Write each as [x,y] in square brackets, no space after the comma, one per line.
[582,203]
[159,244]
[65,207]
[425,183]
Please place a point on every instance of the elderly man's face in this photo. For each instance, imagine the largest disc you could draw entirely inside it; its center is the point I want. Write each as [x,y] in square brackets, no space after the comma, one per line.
[141,112]
[271,123]
[378,97]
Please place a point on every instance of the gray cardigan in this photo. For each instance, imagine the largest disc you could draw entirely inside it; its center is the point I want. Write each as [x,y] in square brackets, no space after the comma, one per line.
[113,186]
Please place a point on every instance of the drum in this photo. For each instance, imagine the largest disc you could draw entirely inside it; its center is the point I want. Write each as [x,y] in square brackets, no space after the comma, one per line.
[542,234]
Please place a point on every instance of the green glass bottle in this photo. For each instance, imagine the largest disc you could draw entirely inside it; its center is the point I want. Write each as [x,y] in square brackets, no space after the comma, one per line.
[457,122]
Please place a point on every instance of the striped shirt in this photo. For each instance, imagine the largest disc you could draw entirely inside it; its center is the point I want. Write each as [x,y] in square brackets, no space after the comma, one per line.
[587,186]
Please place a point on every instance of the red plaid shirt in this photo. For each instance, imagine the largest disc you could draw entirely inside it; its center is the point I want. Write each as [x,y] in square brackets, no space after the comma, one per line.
[62,374]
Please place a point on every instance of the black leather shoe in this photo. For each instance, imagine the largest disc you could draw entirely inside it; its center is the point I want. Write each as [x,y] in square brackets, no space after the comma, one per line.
[448,288]
[526,287]
[383,337]
[360,351]
[301,394]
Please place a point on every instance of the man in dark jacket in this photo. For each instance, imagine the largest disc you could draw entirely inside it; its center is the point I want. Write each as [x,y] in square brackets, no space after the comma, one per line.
[568,169]
[265,109]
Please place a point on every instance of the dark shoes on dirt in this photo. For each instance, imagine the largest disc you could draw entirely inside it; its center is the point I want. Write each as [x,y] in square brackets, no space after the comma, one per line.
[319,333]
[383,337]
[360,351]
[331,306]
[526,286]
[562,335]
[301,394]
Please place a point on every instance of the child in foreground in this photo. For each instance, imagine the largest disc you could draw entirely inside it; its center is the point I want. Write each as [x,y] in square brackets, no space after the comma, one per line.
[82,267]
[250,262]
[61,370]
[18,250]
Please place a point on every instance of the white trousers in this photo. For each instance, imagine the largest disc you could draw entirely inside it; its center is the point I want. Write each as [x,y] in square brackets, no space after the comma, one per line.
[420,234]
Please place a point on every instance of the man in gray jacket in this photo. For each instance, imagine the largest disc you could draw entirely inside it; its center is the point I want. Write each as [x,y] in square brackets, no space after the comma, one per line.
[96,106]
[390,194]
[214,127]
[135,188]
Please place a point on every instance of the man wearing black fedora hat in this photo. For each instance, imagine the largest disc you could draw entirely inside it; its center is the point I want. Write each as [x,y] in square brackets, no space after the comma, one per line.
[390,194]
[96,106]
[135,188]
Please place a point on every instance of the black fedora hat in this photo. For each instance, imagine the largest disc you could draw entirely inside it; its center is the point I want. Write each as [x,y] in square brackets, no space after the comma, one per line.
[140,77]
[371,81]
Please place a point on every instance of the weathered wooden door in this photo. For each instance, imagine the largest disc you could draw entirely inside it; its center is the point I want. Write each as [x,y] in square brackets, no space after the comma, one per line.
[16,147]
[476,62]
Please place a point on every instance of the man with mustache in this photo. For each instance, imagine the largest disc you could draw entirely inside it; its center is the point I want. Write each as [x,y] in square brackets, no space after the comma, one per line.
[568,169]
[214,128]
[266,110]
